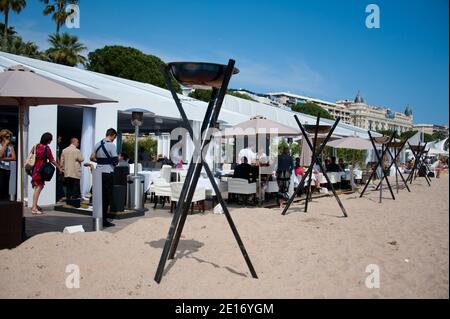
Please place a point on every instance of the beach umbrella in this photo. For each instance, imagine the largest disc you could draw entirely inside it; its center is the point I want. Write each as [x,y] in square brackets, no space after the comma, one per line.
[260,125]
[22,87]
[351,142]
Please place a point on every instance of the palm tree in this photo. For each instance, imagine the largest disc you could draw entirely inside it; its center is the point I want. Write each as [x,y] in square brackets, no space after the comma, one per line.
[11,31]
[10,5]
[65,50]
[57,9]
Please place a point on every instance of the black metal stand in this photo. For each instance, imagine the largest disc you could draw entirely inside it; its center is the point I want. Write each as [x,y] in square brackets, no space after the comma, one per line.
[380,163]
[194,171]
[316,153]
[394,159]
[419,162]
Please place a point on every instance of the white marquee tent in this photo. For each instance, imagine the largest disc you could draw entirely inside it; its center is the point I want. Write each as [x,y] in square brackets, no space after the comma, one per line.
[97,119]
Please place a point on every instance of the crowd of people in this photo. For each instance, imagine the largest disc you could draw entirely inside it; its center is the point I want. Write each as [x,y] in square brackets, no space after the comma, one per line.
[285,167]
[68,163]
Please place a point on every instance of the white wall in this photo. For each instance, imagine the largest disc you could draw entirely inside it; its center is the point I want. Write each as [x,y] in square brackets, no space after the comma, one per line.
[43,119]
[105,118]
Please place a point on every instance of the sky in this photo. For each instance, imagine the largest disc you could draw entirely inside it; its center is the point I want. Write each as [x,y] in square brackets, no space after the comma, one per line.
[321,49]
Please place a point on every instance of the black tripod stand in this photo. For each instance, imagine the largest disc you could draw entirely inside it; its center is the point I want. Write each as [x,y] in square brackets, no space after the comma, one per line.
[380,163]
[397,151]
[194,171]
[316,153]
[420,154]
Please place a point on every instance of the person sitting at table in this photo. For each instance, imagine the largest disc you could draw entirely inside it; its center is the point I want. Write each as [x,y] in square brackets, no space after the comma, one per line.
[327,163]
[342,165]
[243,170]
[299,173]
[298,168]
[262,157]
[332,166]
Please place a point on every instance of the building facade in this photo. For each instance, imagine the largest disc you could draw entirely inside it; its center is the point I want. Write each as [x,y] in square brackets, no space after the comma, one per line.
[336,110]
[377,118]
[356,112]
[431,128]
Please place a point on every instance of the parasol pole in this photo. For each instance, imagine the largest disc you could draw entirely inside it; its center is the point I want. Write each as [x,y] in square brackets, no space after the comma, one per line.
[21,141]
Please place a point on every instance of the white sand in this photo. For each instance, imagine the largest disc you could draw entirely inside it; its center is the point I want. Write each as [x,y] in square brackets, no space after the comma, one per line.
[317,255]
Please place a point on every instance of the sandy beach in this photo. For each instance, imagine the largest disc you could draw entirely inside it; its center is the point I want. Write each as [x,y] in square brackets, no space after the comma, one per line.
[314,255]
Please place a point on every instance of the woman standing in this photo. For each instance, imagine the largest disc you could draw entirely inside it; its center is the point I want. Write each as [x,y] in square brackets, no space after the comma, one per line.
[43,153]
[7,155]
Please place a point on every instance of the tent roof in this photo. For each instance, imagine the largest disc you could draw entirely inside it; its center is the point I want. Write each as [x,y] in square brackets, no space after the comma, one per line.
[159,101]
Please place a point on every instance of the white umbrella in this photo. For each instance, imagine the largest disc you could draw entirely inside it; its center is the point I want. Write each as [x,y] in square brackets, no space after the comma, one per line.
[260,125]
[351,142]
[22,87]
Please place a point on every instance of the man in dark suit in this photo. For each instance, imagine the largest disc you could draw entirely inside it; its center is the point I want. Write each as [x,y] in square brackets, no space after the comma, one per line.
[333,167]
[243,170]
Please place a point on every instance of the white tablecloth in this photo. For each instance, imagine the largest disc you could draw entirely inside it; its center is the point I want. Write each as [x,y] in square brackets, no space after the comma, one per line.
[149,178]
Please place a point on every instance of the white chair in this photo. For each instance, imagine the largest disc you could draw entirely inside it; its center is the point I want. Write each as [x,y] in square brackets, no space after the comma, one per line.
[182,175]
[334,177]
[241,186]
[162,191]
[166,171]
[272,187]
[199,196]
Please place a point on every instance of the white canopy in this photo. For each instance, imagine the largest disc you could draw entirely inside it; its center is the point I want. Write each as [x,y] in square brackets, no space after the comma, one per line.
[159,101]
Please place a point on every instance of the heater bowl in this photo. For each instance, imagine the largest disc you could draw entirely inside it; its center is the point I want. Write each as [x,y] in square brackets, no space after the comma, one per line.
[199,75]
[323,129]
[382,140]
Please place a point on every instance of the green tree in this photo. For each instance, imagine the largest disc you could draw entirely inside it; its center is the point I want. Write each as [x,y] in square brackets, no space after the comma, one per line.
[240,95]
[312,109]
[205,95]
[65,50]
[15,45]
[439,135]
[6,6]
[128,63]
[11,31]
[202,95]
[146,144]
[407,135]
[57,9]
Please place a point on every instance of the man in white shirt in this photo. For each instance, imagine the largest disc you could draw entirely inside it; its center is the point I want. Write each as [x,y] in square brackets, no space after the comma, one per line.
[249,153]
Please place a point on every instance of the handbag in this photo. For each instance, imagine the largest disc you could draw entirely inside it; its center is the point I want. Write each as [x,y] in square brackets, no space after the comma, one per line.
[31,161]
[47,169]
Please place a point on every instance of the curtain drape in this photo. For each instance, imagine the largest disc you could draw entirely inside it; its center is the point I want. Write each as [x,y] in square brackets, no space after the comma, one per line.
[87,147]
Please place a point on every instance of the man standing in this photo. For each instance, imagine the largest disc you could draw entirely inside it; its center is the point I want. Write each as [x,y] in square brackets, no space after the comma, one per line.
[71,159]
[105,154]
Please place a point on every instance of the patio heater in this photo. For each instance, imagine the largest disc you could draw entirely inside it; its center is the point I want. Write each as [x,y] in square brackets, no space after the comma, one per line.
[198,75]
[135,182]
[379,168]
[317,150]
